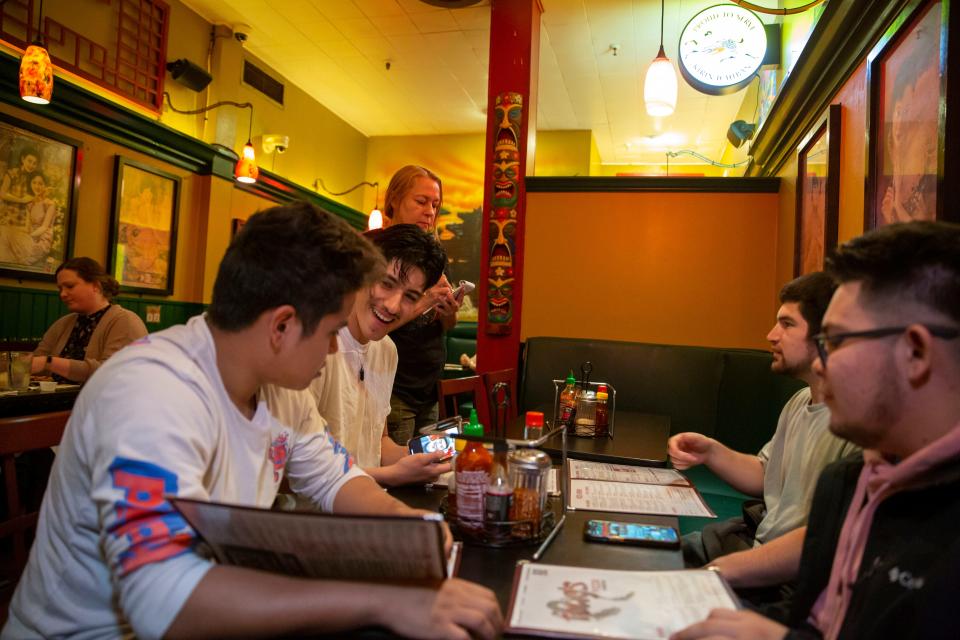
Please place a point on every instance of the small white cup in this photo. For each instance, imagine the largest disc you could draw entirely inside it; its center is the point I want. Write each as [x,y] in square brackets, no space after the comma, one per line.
[48,385]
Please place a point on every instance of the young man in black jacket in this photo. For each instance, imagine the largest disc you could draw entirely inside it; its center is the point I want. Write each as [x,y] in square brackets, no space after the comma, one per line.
[881,550]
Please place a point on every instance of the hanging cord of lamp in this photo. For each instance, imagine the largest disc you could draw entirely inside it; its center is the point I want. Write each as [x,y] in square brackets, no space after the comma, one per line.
[777,12]
[688,152]
[375,220]
[247,170]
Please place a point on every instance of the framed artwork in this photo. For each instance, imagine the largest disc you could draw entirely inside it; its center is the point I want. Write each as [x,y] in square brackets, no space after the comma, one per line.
[818,193]
[39,179]
[143,227]
[906,79]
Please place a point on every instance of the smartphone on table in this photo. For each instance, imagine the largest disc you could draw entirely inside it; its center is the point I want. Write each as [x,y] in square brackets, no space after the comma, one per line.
[648,535]
[431,443]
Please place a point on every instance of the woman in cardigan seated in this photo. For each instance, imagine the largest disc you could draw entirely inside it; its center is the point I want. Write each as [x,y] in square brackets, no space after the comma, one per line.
[76,344]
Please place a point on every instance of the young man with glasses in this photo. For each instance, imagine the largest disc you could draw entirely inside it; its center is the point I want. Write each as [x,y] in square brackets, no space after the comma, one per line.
[881,558]
[785,470]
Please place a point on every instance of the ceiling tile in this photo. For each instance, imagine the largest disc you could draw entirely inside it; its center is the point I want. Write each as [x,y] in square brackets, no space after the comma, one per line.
[434,21]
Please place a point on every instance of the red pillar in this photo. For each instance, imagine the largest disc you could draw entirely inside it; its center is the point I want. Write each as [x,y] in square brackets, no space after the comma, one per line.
[511,132]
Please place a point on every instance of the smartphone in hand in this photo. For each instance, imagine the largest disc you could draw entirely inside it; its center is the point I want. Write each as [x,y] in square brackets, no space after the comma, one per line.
[463,289]
[631,533]
[431,443]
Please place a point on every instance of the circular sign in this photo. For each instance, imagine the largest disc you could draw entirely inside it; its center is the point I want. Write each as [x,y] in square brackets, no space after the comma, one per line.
[721,49]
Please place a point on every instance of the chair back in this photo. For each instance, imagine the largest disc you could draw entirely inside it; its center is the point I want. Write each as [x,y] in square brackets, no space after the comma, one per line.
[501,388]
[451,390]
[19,435]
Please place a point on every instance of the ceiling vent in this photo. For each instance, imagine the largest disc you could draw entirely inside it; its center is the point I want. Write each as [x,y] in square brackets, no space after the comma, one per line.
[262,81]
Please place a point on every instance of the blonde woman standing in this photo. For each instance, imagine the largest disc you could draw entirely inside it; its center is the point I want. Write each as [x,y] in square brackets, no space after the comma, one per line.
[414,196]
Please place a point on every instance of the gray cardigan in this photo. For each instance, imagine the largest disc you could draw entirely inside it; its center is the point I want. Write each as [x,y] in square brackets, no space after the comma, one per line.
[117,328]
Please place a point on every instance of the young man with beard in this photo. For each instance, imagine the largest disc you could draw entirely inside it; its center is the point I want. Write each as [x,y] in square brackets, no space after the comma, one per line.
[881,558]
[785,470]
[353,391]
[187,412]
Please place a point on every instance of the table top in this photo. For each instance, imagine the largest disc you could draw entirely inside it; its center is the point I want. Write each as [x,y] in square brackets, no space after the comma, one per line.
[34,401]
[494,567]
[638,438]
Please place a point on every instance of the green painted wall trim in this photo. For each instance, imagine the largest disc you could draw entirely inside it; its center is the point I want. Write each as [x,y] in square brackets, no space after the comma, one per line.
[652,184]
[27,313]
[840,41]
[80,109]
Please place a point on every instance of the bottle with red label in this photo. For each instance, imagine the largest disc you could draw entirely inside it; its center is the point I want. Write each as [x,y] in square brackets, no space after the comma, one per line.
[602,414]
[498,497]
[568,402]
[472,476]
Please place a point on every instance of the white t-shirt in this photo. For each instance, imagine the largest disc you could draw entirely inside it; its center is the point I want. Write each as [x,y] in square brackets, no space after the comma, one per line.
[792,461]
[111,556]
[356,410]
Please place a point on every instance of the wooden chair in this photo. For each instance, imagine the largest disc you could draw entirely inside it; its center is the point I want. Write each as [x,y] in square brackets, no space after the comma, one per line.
[18,435]
[501,388]
[452,389]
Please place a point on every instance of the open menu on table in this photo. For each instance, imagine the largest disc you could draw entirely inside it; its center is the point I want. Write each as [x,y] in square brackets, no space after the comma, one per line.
[599,486]
[577,602]
[321,545]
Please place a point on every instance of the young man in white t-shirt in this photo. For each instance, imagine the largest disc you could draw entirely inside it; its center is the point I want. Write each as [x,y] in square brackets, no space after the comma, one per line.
[353,391]
[187,412]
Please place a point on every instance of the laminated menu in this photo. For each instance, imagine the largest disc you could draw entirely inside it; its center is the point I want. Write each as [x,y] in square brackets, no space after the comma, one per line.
[320,545]
[599,486]
[578,602]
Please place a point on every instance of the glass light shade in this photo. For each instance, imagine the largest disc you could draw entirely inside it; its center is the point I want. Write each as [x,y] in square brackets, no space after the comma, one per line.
[375,221]
[660,86]
[36,75]
[247,170]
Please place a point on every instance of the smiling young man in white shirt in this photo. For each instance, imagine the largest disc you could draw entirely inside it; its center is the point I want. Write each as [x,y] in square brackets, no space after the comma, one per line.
[353,391]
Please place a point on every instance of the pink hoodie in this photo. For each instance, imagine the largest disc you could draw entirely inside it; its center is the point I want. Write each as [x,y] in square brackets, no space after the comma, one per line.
[878,480]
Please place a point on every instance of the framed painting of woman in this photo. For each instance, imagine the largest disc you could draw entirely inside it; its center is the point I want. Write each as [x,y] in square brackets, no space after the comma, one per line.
[143,227]
[907,118]
[818,193]
[39,178]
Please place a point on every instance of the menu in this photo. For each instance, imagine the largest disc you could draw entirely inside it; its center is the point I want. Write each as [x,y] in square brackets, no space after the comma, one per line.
[620,488]
[578,602]
[321,545]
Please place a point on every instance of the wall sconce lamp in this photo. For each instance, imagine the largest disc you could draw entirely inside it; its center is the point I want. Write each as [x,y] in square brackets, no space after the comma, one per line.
[247,170]
[36,70]
[375,219]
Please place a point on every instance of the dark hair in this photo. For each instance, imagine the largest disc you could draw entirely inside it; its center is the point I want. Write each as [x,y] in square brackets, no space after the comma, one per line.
[813,292]
[90,271]
[296,254]
[909,261]
[402,182]
[411,246]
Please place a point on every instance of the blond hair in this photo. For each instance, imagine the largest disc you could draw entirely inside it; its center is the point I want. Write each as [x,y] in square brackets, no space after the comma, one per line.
[402,182]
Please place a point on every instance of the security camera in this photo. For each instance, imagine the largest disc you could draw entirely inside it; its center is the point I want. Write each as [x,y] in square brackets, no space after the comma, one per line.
[241,32]
[275,142]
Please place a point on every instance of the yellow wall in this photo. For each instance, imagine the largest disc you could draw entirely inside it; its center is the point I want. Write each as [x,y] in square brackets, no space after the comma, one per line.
[676,268]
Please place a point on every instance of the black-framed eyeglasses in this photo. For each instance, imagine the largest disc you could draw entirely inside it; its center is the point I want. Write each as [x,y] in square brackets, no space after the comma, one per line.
[827,344]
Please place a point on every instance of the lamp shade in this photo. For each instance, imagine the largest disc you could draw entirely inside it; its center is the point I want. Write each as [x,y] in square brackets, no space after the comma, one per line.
[36,75]
[375,221]
[660,86]
[247,170]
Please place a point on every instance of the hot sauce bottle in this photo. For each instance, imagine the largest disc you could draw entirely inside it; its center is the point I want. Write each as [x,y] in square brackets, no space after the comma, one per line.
[472,476]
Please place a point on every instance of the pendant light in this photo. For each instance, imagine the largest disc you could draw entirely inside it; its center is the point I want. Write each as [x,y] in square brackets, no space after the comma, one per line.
[247,170]
[660,84]
[36,70]
[375,221]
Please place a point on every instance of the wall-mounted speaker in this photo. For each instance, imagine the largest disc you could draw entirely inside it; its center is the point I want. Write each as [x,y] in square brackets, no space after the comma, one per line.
[189,74]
